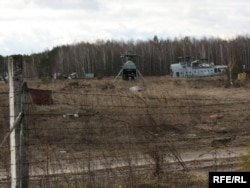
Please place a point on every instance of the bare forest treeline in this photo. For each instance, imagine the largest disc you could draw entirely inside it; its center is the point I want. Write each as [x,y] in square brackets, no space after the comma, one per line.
[156,55]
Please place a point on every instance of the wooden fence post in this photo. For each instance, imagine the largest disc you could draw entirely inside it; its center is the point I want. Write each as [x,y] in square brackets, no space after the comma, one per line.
[18,169]
[24,165]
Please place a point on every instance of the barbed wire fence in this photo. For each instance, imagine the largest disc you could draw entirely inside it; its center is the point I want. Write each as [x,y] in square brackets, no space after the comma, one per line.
[91,138]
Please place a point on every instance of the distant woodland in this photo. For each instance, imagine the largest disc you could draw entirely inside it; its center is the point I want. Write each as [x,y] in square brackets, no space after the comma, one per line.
[156,55]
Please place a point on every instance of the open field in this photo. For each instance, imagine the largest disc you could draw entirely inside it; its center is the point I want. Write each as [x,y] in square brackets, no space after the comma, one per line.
[159,136]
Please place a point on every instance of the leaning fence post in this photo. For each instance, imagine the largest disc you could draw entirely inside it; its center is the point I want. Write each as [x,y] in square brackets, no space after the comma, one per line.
[24,165]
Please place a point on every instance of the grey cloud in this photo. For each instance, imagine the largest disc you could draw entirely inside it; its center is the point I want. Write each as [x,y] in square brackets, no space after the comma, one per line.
[68,4]
[53,22]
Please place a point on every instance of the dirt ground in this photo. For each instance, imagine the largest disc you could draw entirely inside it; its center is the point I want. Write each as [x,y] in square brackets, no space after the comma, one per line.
[189,114]
[178,118]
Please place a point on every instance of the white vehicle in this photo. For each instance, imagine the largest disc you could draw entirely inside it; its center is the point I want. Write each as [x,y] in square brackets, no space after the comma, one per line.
[196,68]
[5,77]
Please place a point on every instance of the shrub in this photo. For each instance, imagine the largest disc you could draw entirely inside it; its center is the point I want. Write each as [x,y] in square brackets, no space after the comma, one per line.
[177,83]
[45,79]
[245,160]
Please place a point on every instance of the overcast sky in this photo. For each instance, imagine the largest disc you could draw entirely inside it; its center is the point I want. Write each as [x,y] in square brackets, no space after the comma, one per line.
[31,26]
